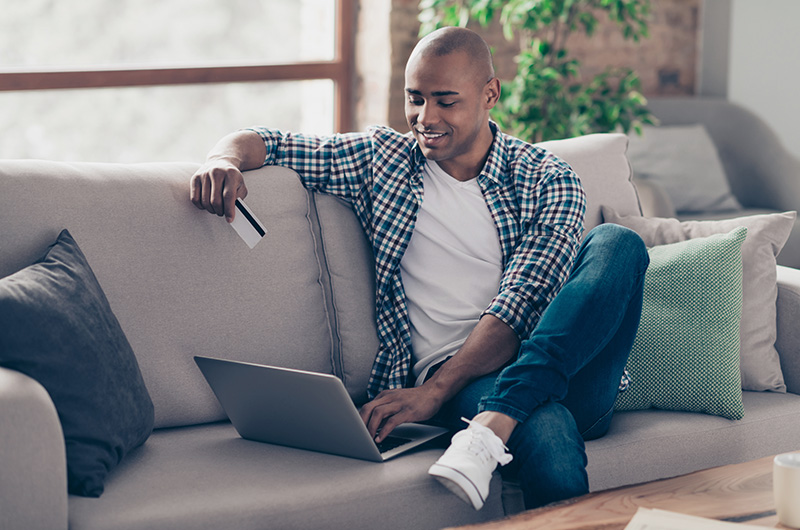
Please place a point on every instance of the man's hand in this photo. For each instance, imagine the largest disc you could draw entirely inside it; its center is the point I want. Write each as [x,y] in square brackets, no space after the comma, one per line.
[490,346]
[216,186]
[402,405]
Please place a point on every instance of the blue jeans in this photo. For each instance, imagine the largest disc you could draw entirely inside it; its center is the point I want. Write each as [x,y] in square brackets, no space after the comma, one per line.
[563,384]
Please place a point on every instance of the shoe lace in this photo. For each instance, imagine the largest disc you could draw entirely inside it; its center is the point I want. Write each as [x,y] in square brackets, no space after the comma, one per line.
[483,440]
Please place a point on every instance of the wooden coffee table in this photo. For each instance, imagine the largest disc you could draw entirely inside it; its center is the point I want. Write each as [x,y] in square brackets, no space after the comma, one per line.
[738,492]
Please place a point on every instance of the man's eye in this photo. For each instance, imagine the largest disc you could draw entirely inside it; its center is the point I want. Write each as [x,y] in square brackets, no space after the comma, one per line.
[415,101]
[446,104]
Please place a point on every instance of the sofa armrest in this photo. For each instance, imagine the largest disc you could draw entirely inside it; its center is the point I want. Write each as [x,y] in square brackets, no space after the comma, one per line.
[33,468]
[788,343]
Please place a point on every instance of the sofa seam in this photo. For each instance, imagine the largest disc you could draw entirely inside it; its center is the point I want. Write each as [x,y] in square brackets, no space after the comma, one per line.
[325,280]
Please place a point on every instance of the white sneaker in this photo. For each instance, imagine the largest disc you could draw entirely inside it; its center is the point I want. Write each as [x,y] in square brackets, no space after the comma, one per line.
[467,465]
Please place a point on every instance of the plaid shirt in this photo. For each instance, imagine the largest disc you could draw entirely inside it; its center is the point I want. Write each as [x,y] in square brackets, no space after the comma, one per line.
[536,200]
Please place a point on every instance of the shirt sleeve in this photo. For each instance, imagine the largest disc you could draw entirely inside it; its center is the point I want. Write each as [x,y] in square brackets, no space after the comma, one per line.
[339,164]
[543,256]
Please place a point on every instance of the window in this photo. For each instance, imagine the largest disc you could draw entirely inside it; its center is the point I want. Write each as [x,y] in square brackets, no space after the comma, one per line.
[155,80]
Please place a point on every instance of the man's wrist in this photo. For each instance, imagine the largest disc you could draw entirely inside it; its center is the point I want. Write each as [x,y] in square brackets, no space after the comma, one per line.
[445,384]
[488,348]
[224,160]
[437,392]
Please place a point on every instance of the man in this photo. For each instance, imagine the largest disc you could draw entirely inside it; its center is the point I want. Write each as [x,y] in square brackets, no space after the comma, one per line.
[474,234]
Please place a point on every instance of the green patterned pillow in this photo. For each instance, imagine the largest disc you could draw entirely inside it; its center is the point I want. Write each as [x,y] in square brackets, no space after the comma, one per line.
[686,353]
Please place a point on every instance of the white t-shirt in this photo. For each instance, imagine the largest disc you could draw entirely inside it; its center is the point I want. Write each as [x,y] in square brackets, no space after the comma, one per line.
[451,269]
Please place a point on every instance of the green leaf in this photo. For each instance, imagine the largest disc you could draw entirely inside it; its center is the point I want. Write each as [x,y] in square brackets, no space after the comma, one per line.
[549,73]
[544,47]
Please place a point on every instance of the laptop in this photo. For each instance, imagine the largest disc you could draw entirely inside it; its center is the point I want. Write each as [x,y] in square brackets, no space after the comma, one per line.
[306,410]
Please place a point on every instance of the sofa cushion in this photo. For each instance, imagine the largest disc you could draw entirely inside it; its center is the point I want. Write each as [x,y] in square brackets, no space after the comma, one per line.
[766,235]
[602,165]
[652,444]
[207,477]
[58,328]
[683,160]
[181,281]
[686,352]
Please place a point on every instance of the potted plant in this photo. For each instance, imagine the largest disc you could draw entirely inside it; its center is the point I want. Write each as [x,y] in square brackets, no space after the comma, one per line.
[548,98]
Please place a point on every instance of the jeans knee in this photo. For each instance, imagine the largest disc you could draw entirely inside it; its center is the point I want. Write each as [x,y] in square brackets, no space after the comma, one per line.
[624,247]
[633,243]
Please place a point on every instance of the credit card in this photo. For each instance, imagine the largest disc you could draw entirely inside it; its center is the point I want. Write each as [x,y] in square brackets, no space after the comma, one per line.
[247,225]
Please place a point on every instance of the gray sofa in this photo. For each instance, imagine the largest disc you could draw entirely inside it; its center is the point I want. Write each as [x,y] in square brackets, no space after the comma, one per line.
[182,283]
[761,173]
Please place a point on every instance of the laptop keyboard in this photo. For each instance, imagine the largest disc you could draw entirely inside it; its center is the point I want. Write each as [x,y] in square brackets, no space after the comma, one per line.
[391,442]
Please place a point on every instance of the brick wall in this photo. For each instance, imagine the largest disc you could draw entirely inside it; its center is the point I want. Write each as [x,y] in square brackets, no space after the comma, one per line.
[666,62]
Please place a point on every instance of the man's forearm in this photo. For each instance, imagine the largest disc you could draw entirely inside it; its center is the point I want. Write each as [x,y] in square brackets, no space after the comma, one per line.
[488,348]
[243,149]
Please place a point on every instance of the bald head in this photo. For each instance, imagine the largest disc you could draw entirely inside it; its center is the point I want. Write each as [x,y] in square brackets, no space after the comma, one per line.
[446,41]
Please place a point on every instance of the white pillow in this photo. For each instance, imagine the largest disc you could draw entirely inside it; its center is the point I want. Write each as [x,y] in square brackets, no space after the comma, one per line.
[683,160]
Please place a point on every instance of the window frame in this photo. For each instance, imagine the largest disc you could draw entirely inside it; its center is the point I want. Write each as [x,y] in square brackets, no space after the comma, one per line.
[340,70]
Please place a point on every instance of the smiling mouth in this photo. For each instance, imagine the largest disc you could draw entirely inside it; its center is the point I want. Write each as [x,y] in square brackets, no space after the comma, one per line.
[430,135]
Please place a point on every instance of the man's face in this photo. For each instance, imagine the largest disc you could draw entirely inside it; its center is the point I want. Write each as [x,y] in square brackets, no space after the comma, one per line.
[447,107]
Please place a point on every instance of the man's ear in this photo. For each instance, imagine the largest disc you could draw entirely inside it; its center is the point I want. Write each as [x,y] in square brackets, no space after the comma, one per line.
[491,93]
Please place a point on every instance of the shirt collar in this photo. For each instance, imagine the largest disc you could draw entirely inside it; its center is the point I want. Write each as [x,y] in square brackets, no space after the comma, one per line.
[418,159]
[494,169]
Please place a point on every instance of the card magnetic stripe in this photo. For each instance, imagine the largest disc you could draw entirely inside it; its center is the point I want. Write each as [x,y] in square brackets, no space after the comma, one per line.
[250,219]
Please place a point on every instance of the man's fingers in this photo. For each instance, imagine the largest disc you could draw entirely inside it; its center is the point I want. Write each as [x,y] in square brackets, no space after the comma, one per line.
[228,202]
[195,189]
[230,193]
[375,421]
[393,407]
[205,193]
[372,416]
[366,412]
[389,425]
[217,178]
[382,421]
[215,189]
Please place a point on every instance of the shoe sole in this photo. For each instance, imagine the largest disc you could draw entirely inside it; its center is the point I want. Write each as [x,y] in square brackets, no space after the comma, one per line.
[458,484]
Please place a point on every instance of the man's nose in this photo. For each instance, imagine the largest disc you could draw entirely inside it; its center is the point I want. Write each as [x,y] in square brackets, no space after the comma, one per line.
[427,115]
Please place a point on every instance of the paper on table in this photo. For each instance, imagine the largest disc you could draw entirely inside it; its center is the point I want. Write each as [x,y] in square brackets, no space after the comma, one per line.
[653,519]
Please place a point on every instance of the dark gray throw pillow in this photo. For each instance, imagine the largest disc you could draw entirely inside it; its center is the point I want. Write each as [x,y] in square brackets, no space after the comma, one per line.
[58,328]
